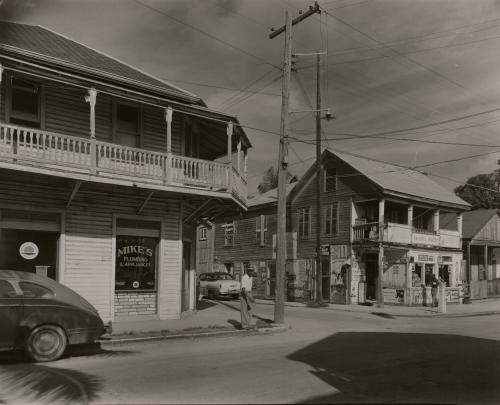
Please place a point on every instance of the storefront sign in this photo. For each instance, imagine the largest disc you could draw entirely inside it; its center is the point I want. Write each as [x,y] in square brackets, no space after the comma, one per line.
[426,258]
[425,239]
[135,263]
[28,250]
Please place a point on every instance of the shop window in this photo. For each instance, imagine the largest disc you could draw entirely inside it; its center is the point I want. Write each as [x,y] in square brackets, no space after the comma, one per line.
[228,234]
[127,125]
[203,233]
[444,274]
[330,219]
[135,263]
[25,103]
[261,230]
[330,179]
[304,222]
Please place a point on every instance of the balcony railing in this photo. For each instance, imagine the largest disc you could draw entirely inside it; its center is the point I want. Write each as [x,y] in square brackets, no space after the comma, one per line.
[20,144]
[406,235]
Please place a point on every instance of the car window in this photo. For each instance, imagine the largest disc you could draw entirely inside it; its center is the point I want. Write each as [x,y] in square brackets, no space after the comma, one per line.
[33,290]
[224,277]
[6,290]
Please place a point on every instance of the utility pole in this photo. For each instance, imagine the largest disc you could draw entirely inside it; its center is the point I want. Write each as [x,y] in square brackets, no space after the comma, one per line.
[279,304]
[319,284]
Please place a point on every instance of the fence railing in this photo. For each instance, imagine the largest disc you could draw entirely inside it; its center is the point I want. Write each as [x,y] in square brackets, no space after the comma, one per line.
[21,144]
[366,232]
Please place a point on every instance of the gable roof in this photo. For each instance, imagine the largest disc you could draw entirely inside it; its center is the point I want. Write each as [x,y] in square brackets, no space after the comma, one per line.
[42,43]
[474,221]
[269,197]
[393,179]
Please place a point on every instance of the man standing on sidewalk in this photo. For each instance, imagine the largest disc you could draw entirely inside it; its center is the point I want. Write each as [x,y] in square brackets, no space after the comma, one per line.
[247,300]
[434,290]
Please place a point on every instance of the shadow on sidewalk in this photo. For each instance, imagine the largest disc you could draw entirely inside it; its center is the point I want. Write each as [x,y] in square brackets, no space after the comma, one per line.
[404,367]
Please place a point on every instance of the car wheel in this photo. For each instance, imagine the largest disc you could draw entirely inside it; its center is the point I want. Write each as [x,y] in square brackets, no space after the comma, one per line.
[46,343]
[211,295]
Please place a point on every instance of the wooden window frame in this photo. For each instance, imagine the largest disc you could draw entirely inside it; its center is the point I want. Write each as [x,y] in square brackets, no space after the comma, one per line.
[10,114]
[301,223]
[261,230]
[140,123]
[328,228]
[325,182]
[203,233]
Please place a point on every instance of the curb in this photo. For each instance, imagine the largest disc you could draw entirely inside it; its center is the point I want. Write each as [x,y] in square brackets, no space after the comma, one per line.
[178,336]
[427,315]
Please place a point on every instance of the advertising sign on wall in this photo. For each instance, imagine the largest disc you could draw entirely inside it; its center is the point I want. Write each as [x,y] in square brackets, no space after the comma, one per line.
[135,263]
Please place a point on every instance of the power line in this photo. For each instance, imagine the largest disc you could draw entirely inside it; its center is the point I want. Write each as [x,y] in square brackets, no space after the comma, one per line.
[207,34]
[220,87]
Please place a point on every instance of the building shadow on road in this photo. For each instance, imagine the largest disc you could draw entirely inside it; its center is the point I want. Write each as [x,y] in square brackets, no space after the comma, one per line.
[35,383]
[404,367]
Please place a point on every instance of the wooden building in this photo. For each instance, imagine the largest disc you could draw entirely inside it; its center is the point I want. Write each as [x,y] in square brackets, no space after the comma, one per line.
[372,214]
[481,246]
[105,173]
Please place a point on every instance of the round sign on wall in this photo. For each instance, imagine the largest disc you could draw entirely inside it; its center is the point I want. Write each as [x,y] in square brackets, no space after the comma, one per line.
[28,250]
[135,284]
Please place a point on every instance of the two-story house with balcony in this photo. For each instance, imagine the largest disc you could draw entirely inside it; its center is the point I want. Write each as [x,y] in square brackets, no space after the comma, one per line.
[379,223]
[105,172]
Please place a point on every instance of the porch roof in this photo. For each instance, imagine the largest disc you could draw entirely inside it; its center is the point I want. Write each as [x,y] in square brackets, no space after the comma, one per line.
[474,221]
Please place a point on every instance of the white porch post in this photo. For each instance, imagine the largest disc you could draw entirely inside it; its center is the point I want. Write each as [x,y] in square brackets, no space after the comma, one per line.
[91,99]
[436,221]
[168,167]
[238,156]
[229,150]
[459,225]
[410,216]
[245,164]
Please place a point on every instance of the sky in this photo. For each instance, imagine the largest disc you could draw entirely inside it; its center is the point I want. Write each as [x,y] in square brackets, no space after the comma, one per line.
[423,70]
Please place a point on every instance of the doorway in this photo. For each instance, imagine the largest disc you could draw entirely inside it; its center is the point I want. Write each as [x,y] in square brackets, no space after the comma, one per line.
[30,251]
[271,279]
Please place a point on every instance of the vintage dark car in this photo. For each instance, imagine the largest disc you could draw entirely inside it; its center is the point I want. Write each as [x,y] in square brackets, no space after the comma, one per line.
[43,317]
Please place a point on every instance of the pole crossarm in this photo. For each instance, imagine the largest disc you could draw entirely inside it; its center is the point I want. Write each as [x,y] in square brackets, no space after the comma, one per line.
[312,10]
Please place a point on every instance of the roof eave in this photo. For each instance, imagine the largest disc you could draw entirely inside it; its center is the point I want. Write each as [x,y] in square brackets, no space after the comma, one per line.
[461,207]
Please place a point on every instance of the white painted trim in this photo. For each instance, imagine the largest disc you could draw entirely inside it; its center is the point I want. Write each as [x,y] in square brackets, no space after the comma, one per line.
[179,289]
[113,269]
[61,251]
[160,269]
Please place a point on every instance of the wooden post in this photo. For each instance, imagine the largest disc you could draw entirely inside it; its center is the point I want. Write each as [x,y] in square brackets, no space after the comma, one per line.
[91,99]
[1,75]
[486,270]
[238,156]
[436,221]
[410,216]
[319,292]
[168,165]
[381,214]
[229,153]
[245,164]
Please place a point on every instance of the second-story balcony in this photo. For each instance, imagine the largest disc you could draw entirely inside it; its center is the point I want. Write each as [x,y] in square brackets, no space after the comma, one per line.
[405,235]
[28,147]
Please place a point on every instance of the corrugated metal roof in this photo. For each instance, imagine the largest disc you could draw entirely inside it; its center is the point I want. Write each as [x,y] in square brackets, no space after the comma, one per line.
[269,197]
[474,221]
[41,41]
[401,180]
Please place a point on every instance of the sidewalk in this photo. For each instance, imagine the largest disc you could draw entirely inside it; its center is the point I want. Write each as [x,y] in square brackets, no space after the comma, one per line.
[476,308]
[215,318]
[211,319]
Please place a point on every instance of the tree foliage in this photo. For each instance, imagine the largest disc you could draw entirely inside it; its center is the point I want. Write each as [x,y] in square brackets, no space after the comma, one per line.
[481,191]
[270,180]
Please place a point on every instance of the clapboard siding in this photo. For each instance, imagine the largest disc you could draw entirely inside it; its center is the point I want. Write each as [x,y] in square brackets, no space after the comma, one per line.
[245,245]
[88,254]
[155,130]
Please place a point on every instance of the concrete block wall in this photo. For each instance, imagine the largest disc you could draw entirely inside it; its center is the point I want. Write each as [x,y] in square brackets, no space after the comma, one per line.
[132,303]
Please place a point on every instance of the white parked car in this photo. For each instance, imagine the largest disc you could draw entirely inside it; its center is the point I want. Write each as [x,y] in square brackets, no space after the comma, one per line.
[218,284]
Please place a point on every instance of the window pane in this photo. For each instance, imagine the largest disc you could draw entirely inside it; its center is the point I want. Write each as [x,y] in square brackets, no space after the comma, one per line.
[33,290]
[127,117]
[135,263]
[25,102]
[6,290]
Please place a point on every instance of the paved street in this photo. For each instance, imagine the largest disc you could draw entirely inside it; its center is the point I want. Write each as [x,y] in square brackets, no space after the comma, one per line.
[327,356]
